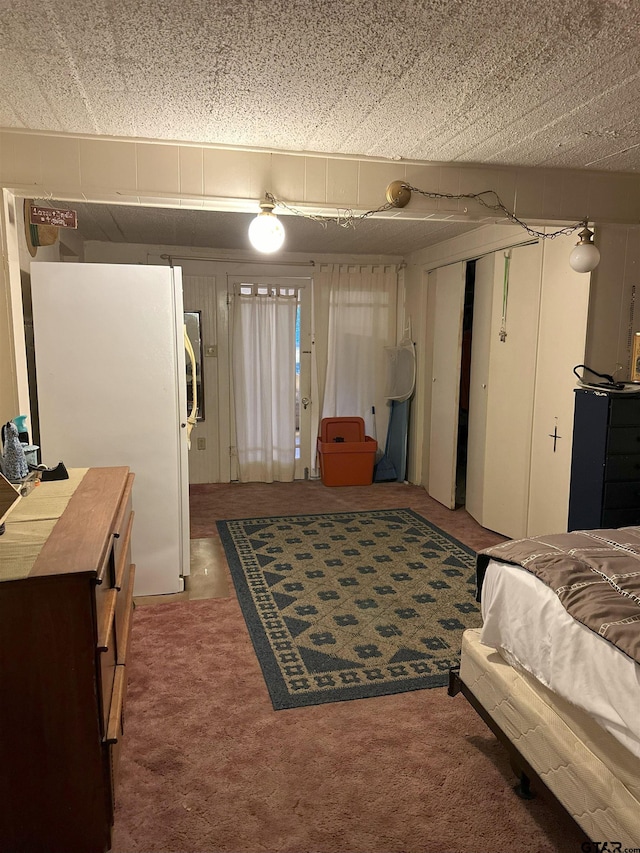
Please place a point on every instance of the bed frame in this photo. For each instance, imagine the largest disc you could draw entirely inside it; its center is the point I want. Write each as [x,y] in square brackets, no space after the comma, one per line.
[523,771]
[553,746]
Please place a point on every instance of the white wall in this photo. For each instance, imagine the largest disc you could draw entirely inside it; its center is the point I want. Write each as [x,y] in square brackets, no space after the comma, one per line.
[614,308]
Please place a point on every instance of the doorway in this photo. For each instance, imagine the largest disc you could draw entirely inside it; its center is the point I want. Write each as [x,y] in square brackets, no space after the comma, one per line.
[465,384]
[270,378]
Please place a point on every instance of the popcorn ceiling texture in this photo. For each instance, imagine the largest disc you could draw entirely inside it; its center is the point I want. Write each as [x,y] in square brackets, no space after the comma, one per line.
[194,228]
[520,83]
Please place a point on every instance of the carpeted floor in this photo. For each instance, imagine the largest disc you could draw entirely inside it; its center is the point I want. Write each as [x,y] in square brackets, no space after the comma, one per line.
[208,766]
[350,605]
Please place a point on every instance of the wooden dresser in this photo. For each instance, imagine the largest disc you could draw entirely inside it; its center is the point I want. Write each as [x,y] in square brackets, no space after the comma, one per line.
[66,599]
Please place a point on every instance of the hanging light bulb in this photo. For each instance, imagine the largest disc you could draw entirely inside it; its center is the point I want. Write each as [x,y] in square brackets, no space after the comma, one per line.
[586,256]
[266,232]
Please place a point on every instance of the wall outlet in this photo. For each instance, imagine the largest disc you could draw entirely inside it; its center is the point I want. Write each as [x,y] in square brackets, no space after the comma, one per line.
[201,444]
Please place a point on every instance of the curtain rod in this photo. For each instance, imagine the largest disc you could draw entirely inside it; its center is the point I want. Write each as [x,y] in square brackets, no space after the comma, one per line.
[171,259]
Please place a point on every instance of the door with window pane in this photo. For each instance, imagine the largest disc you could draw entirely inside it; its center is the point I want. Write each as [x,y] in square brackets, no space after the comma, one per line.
[270,343]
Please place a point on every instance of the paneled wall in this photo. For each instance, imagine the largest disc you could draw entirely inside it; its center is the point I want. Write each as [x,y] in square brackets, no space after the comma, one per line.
[614,309]
[127,171]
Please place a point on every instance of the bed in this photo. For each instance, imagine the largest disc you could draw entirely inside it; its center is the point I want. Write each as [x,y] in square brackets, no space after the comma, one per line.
[555,671]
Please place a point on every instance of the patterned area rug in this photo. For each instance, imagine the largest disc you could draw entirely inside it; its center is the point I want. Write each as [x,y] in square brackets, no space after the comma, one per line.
[349,605]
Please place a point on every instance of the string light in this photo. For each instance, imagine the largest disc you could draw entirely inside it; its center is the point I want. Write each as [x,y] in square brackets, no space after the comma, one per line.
[584,257]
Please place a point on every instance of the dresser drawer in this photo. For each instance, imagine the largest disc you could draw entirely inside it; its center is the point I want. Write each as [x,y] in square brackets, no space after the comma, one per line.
[115,729]
[621,495]
[623,440]
[113,638]
[622,467]
[620,517]
[107,657]
[625,412]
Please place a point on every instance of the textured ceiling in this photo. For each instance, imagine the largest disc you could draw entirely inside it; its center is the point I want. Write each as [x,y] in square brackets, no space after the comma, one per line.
[518,83]
[228,231]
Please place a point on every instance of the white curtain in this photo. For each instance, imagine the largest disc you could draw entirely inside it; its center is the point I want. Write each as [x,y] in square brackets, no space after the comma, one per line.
[264,382]
[356,305]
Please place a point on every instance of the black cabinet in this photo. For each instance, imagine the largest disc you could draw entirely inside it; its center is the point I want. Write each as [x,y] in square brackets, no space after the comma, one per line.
[605,462]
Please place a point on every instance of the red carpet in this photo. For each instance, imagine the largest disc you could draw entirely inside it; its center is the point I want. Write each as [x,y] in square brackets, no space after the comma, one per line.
[209,766]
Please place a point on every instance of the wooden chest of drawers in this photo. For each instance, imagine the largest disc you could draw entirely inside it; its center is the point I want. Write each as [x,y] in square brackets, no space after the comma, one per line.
[605,464]
[64,636]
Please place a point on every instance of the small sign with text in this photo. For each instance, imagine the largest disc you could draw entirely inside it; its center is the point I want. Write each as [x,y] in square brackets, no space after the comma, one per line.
[52,216]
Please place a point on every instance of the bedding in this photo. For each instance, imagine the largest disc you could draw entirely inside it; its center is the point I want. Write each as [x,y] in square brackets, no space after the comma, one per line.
[594,573]
[525,621]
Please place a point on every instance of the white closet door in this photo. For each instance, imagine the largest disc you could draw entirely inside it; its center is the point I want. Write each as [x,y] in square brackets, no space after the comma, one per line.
[449,284]
[561,346]
[482,331]
[512,366]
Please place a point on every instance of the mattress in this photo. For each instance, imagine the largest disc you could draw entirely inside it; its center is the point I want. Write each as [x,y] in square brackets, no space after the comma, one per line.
[589,771]
[524,619]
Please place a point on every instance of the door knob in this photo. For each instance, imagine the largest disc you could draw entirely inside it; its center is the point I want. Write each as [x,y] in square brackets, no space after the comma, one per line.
[305,401]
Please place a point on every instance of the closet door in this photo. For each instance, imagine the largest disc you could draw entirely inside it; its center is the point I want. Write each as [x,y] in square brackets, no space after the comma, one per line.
[561,346]
[502,390]
[482,332]
[448,285]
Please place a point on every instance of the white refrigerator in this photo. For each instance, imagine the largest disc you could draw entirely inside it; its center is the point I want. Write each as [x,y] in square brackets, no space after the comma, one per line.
[111,390]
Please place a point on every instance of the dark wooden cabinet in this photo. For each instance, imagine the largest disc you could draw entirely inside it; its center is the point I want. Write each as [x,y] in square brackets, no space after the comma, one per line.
[605,462]
[64,635]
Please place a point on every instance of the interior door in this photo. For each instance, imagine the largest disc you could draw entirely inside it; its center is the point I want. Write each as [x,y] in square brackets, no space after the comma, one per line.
[483,293]
[448,284]
[502,393]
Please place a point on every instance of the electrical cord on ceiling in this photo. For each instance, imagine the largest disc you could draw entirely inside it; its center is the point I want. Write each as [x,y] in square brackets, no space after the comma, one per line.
[498,207]
[345,219]
[348,219]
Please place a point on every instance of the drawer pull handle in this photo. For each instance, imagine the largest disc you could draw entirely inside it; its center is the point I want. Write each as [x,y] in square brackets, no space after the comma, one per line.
[117,527]
[106,621]
[125,633]
[122,563]
[105,562]
[117,701]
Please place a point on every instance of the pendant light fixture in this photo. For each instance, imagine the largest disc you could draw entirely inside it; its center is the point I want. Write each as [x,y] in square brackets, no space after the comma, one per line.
[586,256]
[266,232]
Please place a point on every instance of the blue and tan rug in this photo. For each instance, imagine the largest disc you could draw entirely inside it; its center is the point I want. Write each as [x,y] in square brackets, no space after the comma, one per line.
[348,605]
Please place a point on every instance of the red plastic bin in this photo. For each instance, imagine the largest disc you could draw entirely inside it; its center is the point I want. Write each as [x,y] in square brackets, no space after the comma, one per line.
[348,429]
[349,462]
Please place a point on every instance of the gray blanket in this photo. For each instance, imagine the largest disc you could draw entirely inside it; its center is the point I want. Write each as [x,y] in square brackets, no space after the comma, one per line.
[594,573]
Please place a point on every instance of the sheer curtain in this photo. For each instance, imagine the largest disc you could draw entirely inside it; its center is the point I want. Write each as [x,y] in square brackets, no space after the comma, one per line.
[264,382]
[355,319]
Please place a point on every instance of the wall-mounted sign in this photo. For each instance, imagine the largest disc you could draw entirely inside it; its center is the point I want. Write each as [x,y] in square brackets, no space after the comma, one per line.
[52,216]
